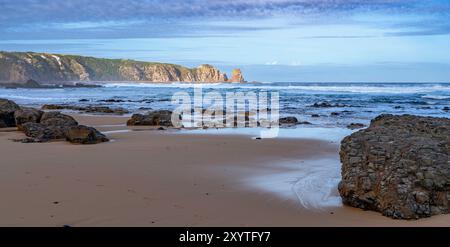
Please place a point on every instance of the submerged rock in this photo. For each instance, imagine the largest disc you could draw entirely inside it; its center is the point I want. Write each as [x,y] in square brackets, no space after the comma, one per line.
[7,109]
[326,104]
[288,120]
[84,135]
[87,109]
[399,166]
[354,126]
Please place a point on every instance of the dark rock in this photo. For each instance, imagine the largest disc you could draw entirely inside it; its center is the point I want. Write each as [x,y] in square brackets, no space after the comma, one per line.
[155,118]
[55,107]
[446,108]
[335,114]
[354,126]
[145,108]
[83,100]
[322,104]
[288,120]
[52,126]
[57,124]
[28,84]
[399,166]
[57,118]
[326,104]
[7,109]
[315,115]
[305,123]
[113,101]
[104,109]
[88,109]
[27,115]
[39,132]
[32,84]
[84,135]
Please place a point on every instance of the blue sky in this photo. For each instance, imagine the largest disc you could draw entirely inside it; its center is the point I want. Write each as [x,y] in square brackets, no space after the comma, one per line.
[271,40]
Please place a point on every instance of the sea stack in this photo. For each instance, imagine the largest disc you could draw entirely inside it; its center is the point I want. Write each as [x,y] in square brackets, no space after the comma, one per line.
[236,76]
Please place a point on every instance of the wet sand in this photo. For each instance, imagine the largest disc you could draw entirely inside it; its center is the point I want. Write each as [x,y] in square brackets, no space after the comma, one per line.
[167,178]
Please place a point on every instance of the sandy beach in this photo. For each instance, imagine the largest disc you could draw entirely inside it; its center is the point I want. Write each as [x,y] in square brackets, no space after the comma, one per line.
[166,178]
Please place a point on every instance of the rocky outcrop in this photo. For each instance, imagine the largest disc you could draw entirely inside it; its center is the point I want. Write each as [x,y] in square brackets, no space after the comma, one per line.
[43,67]
[399,166]
[155,118]
[236,76]
[41,126]
[7,109]
[84,135]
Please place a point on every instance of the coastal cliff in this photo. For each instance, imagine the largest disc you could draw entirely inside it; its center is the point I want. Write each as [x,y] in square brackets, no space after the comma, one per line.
[43,67]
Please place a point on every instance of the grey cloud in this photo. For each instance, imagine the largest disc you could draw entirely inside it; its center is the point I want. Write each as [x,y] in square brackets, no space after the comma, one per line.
[40,19]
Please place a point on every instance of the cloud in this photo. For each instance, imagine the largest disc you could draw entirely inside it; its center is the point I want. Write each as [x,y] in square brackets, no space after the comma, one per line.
[13,11]
[272,63]
[180,18]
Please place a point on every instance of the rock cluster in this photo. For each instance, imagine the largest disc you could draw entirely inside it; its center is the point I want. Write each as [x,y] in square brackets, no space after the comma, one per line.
[154,118]
[354,126]
[399,166]
[41,126]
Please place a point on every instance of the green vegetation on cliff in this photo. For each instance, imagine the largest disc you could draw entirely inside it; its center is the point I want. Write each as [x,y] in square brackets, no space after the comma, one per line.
[44,67]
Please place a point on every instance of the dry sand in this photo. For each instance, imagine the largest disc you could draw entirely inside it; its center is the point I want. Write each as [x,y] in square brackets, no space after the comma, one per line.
[163,178]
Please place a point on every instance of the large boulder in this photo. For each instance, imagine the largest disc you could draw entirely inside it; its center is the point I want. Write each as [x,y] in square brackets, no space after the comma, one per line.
[7,109]
[399,166]
[57,118]
[57,123]
[84,135]
[27,115]
[155,118]
[40,132]
[52,125]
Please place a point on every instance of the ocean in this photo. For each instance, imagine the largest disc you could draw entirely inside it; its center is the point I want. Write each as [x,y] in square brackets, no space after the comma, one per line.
[351,102]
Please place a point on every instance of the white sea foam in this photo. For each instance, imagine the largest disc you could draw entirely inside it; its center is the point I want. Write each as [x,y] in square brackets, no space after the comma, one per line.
[313,183]
[345,88]
[31,98]
[437,97]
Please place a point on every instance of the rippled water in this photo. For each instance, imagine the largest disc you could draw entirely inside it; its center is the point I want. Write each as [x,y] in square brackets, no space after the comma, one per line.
[358,102]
